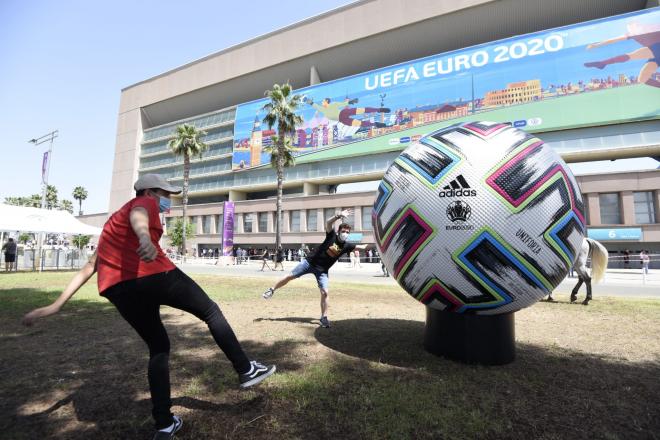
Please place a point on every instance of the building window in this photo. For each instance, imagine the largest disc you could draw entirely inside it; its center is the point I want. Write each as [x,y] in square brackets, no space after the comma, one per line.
[193,221]
[644,208]
[263,221]
[206,224]
[328,212]
[312,224]
[235,223]
[294,221]
[247,222]
[169,225]
[610,210]
[351,218]
[366,218]
[218,224]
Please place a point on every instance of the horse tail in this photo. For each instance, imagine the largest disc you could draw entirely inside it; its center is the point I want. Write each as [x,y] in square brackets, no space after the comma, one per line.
[598,260]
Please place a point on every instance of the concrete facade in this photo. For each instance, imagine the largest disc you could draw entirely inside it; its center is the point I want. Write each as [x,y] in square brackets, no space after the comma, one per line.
[358,37]
[352,39]
[624,185]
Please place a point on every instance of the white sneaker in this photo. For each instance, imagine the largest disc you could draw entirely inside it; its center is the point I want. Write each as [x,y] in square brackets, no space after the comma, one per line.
[168,433]
[256,374]
[268,294]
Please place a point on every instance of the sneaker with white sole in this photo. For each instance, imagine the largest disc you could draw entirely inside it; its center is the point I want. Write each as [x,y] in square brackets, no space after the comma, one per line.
[168,433]
[268,294]
[256,374]
[324,322]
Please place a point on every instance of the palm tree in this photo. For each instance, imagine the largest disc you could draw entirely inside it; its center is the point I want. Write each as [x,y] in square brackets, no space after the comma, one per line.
[25,237]
[80,194]
[187,143]
[281,113]
[51,197]
[34,201]
[65,205]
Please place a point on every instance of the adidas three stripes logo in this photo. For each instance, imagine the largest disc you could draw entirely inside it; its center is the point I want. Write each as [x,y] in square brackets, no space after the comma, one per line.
[458,188]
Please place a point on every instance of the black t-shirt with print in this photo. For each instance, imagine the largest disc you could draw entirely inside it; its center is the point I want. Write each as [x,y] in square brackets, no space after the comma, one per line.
[329,252]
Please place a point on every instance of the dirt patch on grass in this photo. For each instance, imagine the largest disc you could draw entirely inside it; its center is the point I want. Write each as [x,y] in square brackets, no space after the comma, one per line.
[580,372]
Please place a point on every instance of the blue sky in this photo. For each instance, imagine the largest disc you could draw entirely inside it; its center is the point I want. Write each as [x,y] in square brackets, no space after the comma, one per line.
[65,62]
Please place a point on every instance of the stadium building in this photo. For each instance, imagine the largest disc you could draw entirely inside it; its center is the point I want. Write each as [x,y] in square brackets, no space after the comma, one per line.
[378,74]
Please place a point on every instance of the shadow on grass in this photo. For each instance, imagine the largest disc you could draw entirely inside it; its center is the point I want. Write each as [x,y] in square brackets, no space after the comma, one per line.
[547,392]
[82,373]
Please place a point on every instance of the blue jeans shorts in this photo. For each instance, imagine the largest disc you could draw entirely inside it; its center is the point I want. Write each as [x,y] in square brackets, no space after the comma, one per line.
[304,268]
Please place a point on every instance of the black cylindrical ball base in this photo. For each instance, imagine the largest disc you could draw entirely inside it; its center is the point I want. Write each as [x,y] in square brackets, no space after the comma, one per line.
[470,338]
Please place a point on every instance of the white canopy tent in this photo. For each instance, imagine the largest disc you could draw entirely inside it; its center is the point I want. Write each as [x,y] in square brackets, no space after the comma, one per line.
[25,219]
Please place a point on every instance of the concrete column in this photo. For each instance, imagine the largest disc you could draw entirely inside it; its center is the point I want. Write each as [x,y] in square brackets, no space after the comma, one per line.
[593,205]
[303,220]
[314,77]
[357,218]
[271,222]
[214,227]
[237,195]
[310,189]
[628,208]
[238,220]
[320,221]
[286,218]
[656,198]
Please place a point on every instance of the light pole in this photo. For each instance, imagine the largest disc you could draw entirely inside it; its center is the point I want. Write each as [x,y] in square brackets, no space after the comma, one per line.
[45,170]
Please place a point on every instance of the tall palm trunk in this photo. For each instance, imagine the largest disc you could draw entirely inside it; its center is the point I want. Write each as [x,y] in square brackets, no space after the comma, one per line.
[278,214]
[186,175]
[79,206]
[281,141]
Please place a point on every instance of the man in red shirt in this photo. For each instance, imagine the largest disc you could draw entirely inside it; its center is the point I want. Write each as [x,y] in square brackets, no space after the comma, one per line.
[137,277]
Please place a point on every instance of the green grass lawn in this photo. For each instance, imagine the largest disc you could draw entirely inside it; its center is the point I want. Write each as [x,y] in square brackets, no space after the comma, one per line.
[580,372]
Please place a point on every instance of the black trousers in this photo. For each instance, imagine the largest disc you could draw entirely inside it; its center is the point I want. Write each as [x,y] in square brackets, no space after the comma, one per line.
[139,300]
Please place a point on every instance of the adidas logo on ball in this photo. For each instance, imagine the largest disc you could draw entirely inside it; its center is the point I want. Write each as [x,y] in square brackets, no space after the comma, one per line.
[458,188]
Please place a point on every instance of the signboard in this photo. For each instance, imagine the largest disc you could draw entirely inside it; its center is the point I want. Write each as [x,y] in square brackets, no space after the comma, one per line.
[593,73]
[615,234]
[227,228]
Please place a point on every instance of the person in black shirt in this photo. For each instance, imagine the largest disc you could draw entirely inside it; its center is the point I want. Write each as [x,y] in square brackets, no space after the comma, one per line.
[279,258]
[320,262]
[10,255]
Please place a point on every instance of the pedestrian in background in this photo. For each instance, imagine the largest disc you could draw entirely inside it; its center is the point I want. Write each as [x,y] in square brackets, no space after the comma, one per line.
[9,249]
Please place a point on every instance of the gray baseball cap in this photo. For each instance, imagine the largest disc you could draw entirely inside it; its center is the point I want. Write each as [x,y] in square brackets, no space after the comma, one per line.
[149,181]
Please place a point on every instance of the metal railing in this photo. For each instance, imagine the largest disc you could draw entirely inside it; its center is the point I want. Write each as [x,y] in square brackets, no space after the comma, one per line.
[52,259]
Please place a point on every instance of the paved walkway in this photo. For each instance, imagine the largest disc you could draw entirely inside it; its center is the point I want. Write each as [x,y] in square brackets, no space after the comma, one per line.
[617,282]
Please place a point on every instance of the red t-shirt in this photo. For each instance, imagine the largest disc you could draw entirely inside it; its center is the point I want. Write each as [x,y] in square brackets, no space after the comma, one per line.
[117,259]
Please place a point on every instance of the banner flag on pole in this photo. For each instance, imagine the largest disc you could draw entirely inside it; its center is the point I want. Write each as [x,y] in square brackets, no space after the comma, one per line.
[44,167]
[227,228]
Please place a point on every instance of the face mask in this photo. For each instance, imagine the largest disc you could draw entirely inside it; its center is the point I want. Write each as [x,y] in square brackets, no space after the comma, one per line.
[164,204]
[343,236]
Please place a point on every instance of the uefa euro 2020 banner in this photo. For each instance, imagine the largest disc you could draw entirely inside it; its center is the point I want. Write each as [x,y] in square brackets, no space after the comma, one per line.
[594,73]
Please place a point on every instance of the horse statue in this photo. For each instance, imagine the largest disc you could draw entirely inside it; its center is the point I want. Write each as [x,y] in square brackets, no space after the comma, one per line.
[590,249]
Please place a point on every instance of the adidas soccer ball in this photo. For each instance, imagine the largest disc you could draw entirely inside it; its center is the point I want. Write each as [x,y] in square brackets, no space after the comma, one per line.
[478,217]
